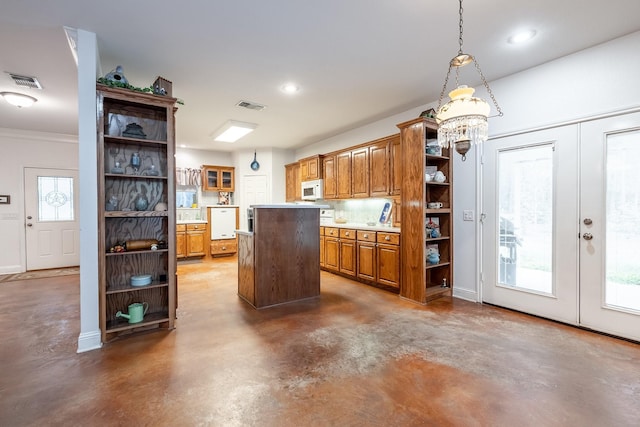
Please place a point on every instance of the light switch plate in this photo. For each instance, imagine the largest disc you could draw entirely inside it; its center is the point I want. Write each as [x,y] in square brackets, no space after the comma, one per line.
[467,215]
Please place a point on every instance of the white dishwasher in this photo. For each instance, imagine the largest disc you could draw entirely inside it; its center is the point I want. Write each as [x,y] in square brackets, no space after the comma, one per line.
[223,223]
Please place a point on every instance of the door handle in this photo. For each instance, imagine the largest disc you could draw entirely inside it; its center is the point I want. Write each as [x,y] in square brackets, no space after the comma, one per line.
[29,224]
[29,217]
[587,221]
[587,236]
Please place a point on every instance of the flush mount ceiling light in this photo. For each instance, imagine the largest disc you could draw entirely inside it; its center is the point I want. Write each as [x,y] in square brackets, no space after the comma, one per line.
[522,36]
[18,99]
[233,130]
[462,122]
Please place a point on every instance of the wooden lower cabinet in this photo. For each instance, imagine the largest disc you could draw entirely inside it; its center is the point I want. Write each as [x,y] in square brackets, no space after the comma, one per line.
[348,252]
[223,247]
[369,256]
[181,240]
[331,253]
[388,257]
[190,240]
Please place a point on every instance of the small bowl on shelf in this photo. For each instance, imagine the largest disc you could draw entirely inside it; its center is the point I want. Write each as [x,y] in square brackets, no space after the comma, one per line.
[141,280]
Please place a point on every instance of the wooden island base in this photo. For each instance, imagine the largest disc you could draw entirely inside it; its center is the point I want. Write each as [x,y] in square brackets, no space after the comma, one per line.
[279,262]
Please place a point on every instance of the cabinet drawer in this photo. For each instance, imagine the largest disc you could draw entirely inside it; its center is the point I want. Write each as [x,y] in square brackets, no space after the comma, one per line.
[220,247]
[347,233]
[181,227]
[366,236]
[330,231]
[196,227]
[388,238]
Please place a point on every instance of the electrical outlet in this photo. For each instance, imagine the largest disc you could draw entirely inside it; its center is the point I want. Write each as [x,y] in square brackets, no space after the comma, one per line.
[467,215]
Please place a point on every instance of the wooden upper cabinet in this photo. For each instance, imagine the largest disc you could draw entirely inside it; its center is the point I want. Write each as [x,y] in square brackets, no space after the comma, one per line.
[379,169]
[311,168]
[343,175]
[218,178]
[360,172]
[329,174]
[395,163]
[293,186]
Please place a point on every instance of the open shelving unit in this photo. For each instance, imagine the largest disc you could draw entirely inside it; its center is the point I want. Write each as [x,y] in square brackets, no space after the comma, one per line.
[129,192]
[422,281]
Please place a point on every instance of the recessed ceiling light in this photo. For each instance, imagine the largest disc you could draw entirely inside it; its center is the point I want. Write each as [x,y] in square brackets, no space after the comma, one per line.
[522,36]
[233,130]
[290,88]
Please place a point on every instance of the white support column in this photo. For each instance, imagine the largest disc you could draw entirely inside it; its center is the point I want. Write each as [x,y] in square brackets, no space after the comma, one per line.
[87,51]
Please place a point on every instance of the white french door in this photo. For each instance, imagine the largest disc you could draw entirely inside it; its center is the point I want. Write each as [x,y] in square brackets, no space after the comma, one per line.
[610,226]
[561,224]
[530,205]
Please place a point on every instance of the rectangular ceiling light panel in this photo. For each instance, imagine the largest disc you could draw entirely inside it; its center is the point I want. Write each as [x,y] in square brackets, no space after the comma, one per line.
[233,130]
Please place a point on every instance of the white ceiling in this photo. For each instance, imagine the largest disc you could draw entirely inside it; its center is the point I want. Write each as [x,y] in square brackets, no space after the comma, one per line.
[356,60]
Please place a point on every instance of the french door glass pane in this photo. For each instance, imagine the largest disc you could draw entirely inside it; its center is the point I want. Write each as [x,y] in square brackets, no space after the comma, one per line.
[525,206]
[622,233]
[55,198]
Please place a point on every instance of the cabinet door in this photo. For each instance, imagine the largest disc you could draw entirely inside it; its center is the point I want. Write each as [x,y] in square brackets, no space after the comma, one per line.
[379,169]
[329,173]
[181,244]
[313,168]
[348,257]
[195,243]
[395,162]
[389,265]
[332,254]
[367,261]
[360,172]
[304,170]
[227,180]
[343,175]
[290,171]
[211,179]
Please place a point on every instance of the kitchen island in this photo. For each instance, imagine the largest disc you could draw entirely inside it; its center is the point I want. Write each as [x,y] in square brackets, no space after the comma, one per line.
[279,261]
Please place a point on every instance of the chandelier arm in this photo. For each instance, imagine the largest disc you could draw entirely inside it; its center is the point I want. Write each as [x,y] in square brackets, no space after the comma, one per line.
[444,88]
[486,85]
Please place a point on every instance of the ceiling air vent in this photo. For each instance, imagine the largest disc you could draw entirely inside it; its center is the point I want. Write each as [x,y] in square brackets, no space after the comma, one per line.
[26,81]
[251,105]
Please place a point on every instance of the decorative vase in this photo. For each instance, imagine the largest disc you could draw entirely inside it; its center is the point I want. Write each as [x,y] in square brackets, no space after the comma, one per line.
[135,162]
[142,203]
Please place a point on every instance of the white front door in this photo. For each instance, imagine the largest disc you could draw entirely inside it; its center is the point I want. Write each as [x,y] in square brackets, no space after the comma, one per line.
[529,232]
[561,227]
[51,218]
[610,226]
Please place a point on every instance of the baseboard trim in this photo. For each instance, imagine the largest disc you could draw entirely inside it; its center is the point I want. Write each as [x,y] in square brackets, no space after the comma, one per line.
[465,294]
[11,269]
[88,341]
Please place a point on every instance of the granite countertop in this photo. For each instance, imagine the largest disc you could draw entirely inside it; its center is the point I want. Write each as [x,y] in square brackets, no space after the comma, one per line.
[362,226]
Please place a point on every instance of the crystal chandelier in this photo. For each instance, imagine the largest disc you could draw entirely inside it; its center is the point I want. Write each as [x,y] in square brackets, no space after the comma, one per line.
[462,122]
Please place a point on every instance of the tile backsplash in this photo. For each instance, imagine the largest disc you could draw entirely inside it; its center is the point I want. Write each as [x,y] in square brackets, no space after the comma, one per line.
[358,210]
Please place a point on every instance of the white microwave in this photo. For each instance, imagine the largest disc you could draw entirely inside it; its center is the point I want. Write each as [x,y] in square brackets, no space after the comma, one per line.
[312,190]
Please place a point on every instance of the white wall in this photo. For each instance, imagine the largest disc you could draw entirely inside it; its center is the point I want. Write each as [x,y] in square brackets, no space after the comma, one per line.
[22,149]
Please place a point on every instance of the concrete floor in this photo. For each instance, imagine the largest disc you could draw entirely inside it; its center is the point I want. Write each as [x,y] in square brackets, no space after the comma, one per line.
[356,356]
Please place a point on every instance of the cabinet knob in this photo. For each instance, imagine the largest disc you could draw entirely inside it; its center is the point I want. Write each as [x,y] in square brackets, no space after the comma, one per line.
[366,236]
[346,233]
[224,248]
[387,238]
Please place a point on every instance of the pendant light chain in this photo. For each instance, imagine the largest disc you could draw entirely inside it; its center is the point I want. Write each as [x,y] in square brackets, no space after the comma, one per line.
[460,40]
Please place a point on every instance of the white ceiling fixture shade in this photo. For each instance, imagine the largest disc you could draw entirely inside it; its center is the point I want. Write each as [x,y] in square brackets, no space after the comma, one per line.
[18,99]
[233,130]
[462,122]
